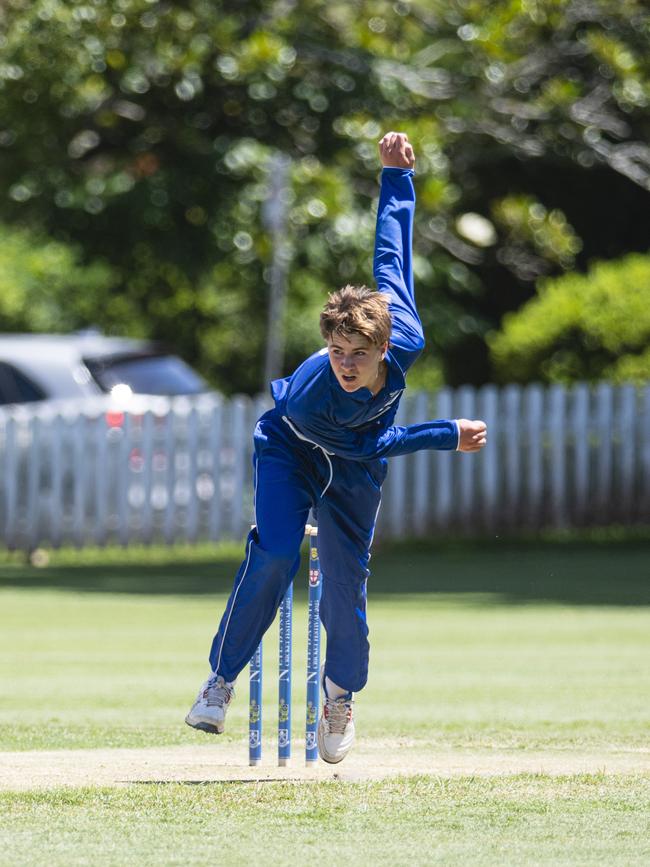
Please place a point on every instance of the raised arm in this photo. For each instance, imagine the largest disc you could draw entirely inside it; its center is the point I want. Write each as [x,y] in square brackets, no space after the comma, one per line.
[393,268]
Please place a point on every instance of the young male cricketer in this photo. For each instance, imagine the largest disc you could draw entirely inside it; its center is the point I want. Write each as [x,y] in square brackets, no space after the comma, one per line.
[324,446]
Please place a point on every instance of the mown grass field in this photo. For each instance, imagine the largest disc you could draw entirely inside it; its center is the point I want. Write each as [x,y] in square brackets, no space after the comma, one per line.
[475,649]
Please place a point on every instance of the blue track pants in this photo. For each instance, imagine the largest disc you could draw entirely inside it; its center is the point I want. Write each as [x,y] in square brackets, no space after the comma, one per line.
[291,476]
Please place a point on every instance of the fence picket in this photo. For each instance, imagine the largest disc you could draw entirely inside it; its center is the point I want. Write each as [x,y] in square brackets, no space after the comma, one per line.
[100,433]
[626,450]
[191,526]
[215,432]
[170,477]
[508,441]
[467,506]
[78,466]
[580,452]
[443,487]
[489,460]
[533,419]
[557,455]
[10,481]
[604,464]
[124,478]
[147,457]
[32,506]
[644,493]
[55,500]
[239,439]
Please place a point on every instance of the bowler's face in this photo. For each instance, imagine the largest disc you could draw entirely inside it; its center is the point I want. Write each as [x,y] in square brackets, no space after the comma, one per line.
[355,361]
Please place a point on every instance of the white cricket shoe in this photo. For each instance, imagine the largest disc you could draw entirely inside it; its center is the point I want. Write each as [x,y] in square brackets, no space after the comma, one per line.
[208,712]
[335,727]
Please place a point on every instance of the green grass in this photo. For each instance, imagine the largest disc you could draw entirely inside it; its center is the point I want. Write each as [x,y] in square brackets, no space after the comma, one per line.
[521,647]
[80,670]
[540,646]
[418,821]
[609,568]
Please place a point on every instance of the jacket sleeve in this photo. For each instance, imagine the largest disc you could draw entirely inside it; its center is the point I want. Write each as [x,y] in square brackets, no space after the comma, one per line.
[393,267]
[442,434]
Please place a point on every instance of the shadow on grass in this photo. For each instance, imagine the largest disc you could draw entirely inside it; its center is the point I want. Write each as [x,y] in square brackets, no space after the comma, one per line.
[589,573]
[256,781]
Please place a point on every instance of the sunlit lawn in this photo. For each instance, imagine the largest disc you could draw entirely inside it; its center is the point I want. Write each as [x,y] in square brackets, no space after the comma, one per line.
[473,648]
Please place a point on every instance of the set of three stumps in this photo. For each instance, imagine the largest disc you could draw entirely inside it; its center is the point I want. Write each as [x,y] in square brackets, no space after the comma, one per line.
[285,630]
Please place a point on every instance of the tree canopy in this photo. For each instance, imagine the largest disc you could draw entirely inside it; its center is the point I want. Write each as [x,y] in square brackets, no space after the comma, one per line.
[581,327]
[145,132]
[43,287]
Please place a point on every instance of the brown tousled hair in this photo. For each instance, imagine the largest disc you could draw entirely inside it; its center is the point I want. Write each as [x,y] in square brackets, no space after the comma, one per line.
[357,310]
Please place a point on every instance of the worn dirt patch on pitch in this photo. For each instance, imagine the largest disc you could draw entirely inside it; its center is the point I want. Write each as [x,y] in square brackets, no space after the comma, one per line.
[224,762]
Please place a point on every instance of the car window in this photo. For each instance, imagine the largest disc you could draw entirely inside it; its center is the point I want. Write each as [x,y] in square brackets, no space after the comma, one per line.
[15,387]
[146,374]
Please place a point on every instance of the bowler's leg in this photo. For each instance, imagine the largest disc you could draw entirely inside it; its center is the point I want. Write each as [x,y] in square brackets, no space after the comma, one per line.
[272,558]
[282,502]
[346,523]
[346,520]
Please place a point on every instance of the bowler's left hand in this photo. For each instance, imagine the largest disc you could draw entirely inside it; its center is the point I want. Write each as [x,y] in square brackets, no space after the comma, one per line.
[473,435]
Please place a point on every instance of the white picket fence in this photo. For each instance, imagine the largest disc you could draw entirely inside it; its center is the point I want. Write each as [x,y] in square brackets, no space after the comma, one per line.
[180,470]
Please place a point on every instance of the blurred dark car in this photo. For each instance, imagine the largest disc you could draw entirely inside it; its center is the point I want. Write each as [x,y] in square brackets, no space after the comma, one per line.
[36,367]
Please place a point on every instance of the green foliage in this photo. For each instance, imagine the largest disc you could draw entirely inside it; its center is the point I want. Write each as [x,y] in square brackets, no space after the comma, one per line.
[526,222]
[427,375]
[44,288]
[581,327]
[630,368]
[143,131]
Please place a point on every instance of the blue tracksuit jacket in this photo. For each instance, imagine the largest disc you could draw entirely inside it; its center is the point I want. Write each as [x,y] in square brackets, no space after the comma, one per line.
[325,449]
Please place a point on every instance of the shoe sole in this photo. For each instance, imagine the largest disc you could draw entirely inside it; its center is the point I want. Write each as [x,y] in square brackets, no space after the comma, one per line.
[330,761]
[321,752]
[205,727]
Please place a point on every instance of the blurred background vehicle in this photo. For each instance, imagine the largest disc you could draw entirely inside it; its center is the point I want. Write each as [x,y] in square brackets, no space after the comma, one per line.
[35,367]
[100,435]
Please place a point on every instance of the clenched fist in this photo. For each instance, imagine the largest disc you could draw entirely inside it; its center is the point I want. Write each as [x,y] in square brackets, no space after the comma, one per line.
[396,151]
[473,435]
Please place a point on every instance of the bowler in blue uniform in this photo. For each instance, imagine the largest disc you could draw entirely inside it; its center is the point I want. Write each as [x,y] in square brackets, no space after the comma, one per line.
[324,446]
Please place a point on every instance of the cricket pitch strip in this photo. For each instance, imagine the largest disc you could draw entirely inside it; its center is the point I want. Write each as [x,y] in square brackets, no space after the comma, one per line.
[227,762]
